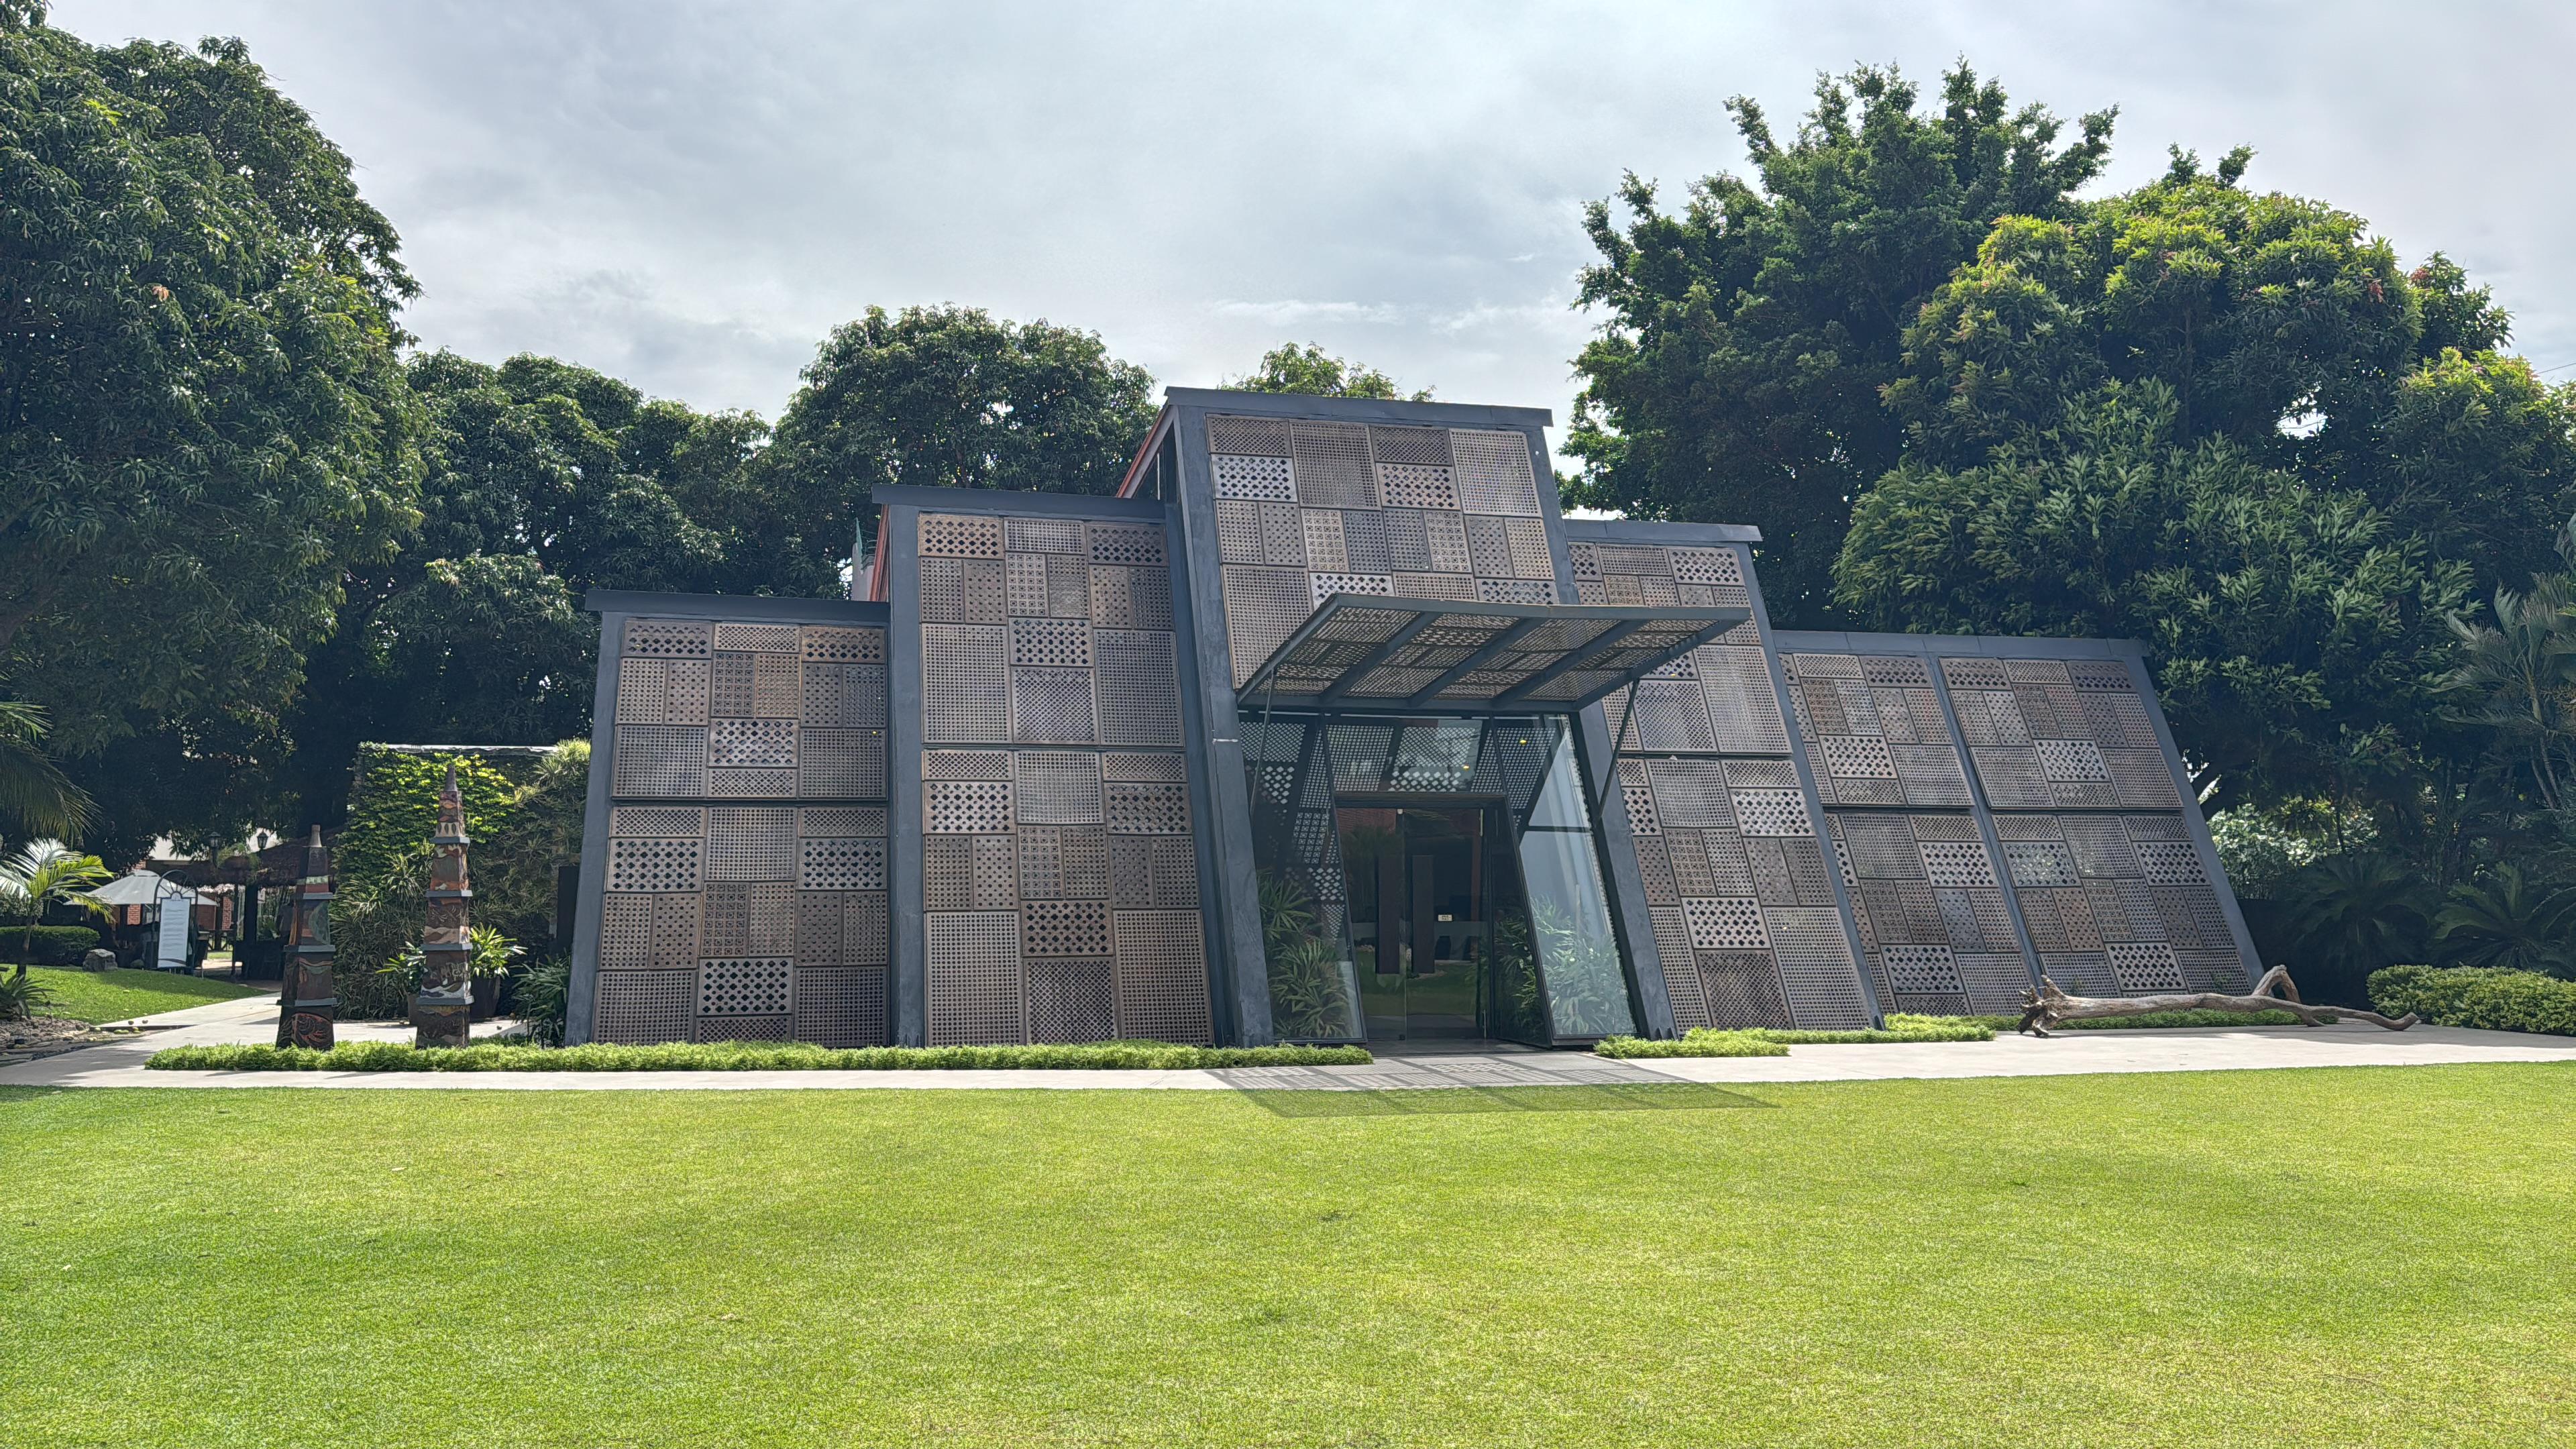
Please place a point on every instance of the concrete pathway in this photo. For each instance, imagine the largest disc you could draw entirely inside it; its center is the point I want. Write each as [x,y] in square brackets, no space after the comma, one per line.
[120,1064]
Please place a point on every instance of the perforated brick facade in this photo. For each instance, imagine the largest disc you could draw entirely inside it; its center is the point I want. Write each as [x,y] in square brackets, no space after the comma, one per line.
[1014,796]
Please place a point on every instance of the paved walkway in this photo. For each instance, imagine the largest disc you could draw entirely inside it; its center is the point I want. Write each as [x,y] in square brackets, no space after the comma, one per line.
[120,1064]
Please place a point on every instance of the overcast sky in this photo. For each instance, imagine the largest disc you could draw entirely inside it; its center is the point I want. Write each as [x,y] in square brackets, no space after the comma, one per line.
[689,196]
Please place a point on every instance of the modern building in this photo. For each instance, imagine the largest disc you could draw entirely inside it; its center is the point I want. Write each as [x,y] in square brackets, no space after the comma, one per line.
[1330,728]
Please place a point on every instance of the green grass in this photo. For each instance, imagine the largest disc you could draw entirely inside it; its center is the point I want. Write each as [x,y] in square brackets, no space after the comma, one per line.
[2367,1256]
[116,995]
[386,1056]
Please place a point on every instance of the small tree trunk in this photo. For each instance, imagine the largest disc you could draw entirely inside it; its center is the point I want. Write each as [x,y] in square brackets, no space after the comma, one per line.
[2048,1006]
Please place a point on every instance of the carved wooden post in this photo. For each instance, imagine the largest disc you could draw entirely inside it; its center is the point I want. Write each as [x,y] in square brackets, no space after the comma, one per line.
[442,1011]
[307,1000]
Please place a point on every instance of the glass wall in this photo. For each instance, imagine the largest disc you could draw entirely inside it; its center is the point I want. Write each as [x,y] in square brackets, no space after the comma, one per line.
[1552,970]
[1587,992]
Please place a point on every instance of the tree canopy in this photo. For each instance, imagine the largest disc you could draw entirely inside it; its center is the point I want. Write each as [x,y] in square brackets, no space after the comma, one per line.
[203,421]
[1957,392]
[1737,377]
[2287,622]
[1316,373]
[952,397]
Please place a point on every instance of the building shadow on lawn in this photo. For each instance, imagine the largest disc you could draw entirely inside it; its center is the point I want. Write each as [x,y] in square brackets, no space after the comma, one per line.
[1440,1101]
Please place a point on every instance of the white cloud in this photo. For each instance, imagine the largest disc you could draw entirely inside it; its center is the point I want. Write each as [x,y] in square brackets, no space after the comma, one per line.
[692,195]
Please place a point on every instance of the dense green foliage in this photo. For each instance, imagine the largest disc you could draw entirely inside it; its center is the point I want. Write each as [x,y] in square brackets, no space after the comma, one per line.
[47,945]
[1308,999]
[541,481]
[203,424]
[524,817]
[2282,619]
[2489,999]
[117,995]
[951,397]
[379,1056]
[1767,1041]
[1312,371]
[1959,397]
[1853,1264]
[1737,379]
[239,535]
[36,797]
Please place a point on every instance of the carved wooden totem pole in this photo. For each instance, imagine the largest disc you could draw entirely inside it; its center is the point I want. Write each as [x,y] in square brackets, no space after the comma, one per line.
[442,1011]
[307,999]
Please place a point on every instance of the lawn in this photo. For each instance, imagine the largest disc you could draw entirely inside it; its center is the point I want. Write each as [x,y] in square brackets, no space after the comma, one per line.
[2372,1256]
[116,995]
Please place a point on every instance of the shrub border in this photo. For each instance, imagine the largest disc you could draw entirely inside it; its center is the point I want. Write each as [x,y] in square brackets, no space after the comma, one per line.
[386,1056]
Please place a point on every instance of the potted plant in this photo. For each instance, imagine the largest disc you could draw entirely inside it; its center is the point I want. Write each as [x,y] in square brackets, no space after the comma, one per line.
[488,963]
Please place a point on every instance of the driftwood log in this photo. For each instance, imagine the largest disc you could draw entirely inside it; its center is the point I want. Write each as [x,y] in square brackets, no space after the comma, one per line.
[2048,1006]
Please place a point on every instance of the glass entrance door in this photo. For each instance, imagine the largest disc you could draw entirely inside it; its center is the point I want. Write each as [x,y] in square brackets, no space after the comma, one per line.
[1433,891]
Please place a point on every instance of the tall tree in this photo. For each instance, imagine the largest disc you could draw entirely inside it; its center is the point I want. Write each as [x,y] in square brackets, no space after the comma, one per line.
[202,419]
[2288,625]
[1737,376]
[950,397]
[1313,371]
[203,423]
[542,480]
[2279,324]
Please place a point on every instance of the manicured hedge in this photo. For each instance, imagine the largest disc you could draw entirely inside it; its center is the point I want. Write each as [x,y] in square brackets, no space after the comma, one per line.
[50,946]
[385,1056]
[1775,1042]
[2477,997]
[1699,1043]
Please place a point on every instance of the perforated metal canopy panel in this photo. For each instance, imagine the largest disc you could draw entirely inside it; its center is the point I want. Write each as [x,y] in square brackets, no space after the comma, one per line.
[1480,657]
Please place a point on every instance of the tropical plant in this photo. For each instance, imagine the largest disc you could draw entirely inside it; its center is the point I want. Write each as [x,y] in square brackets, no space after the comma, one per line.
[35,795]
[375,918]
[2509,920]
[2356,913]
[44,874]
[21,995]
[545,1001]
[1307,996]
[489,957]
[2518,678]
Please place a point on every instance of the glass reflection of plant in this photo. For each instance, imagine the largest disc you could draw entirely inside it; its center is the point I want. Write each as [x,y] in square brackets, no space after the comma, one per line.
[1583,980]
[1516,976]
[1307,1001]
[1362,845]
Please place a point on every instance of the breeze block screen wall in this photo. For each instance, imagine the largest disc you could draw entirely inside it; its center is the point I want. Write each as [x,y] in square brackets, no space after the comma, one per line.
[1308,508]
[741,864]
[2073,856]
[1750,925]
[1059,882]
[1018,795]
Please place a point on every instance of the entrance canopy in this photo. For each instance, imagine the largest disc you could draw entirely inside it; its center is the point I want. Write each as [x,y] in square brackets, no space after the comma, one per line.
[1475,658]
